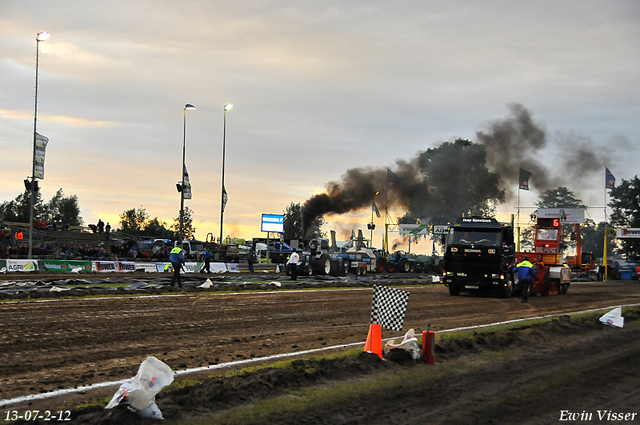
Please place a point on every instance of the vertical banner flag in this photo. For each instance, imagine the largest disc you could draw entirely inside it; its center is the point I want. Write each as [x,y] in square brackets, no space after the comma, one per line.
[375,210]
[610,181]
[391,176]
[524,179]
[389,307]
[225,197]
[40,151]
[186,189]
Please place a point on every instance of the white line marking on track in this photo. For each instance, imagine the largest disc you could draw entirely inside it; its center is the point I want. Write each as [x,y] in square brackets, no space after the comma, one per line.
[57,393]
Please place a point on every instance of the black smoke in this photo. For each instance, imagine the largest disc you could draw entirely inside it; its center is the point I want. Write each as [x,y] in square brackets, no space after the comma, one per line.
[517,141]
[447,180]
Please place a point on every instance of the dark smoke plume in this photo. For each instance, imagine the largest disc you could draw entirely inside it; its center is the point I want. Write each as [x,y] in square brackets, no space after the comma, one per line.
[357,189]
[447,179]
[519,142]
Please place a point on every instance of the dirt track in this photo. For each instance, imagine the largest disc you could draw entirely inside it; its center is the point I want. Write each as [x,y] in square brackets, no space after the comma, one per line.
[66,343]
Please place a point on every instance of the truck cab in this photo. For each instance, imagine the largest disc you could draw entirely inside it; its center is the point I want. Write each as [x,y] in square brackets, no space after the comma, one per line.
[479,256]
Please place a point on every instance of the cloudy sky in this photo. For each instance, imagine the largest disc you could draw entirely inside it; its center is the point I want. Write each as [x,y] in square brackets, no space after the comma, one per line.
[317,87]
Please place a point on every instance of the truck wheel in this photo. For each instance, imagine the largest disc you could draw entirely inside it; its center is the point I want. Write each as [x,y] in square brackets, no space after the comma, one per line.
[412,268]
[405,266]
[454,290]
[380,265]
[390,267]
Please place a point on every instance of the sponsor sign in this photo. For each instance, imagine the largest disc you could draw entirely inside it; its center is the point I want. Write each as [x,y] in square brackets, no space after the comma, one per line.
[189,267]
[147,267]
[65,265]
[105,266]
[126,266]
[22,265]
[566,215]
[233,267]
[413,229]
[627,232]
[272,223]
[440,230]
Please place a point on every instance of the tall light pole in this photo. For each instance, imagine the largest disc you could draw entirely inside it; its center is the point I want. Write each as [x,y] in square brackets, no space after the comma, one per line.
[223,201]
[41,36]
[187,107]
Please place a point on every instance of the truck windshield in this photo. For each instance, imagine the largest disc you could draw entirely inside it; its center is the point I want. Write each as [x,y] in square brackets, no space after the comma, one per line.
[547,234]
[467,237]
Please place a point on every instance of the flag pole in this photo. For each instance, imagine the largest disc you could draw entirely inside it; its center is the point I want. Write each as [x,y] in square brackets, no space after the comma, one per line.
[518,221]
[605,194]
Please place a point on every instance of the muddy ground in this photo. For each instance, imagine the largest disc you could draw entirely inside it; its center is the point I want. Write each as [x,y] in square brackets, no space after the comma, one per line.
[71,342]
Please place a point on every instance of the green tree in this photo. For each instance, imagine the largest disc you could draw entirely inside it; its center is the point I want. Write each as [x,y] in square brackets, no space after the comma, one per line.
[132,221]
[157,228]
[293,222]
[456,182]
[19,210]
[187,225]
[64,209]
[625,202]
[559,198]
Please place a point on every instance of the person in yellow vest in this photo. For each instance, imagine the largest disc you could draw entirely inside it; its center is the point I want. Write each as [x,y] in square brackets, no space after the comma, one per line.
[176,256]
[526,275]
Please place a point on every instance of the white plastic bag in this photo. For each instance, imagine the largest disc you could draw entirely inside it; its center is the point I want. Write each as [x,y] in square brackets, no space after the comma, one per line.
[408,343]
[206,285]
[140,391]
[613,318]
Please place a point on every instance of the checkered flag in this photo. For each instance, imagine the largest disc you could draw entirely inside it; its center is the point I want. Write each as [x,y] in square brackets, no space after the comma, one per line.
[389,307]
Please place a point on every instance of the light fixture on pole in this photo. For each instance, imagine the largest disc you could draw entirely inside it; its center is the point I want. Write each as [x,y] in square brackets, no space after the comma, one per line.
[187,107]
[41,36]
[223,200]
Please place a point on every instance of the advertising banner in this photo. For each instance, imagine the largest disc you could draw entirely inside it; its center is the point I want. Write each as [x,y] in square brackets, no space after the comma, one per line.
[126,266]
[566,215]
[413,229]
[105,266]
[147,267]
[627,232]
[440,229]
[272,223]
[39,154]
[22,265]
[189,267]
[65,265]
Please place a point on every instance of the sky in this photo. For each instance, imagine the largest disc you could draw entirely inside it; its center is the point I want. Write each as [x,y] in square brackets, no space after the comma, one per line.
[318,88]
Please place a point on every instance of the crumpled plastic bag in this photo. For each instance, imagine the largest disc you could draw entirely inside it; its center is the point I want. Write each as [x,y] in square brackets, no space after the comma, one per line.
[613,318]
[408,343]
[206,285]
[140,391]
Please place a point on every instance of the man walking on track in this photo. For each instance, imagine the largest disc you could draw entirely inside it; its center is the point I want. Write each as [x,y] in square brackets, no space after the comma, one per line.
[177,260]
[526,275]
[293,265]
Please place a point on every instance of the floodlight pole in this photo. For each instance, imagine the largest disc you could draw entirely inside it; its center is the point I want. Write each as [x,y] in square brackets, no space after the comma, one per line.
[41,36]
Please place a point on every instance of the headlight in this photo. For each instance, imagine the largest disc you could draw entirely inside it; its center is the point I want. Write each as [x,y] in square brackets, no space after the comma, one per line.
[453,249]
[495,276]
[449,273]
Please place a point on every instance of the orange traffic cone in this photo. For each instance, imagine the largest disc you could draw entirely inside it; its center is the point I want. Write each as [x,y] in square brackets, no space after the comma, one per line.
[374,340]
